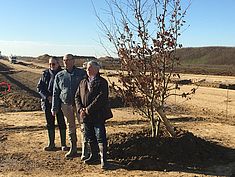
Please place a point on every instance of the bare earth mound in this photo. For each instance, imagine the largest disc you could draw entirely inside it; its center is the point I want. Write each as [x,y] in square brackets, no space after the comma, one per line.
[23,95]
[185,152]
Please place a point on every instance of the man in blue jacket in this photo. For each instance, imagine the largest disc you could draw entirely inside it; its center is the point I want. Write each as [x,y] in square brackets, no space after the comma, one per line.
[45,89]
[65,86]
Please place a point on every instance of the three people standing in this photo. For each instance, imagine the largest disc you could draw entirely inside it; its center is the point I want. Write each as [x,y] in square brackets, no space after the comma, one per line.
[73,93]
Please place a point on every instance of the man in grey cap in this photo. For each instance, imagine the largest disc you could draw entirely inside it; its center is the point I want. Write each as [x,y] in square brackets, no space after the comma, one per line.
[65,86]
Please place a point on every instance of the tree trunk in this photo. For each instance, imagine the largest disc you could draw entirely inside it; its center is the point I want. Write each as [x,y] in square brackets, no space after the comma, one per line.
[158,122]
[153,127]
[166,122]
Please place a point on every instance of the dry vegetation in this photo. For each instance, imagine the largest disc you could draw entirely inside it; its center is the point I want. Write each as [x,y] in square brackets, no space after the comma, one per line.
[207,55]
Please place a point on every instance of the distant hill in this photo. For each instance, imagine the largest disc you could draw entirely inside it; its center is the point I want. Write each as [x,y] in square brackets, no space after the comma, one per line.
[203,56]
[207,55]
[79,60]
[46,57]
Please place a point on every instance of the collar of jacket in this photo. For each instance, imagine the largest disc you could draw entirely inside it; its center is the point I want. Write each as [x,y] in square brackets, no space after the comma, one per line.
[71,70]
[54,71]
[96,76]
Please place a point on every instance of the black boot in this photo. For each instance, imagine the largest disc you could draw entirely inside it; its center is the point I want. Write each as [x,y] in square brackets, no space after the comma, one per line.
[94,157]
[51,140]
[103,155]
[64,147]
[73,149]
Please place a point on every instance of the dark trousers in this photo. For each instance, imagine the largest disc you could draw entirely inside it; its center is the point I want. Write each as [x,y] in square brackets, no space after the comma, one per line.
[95,132]
[51,119]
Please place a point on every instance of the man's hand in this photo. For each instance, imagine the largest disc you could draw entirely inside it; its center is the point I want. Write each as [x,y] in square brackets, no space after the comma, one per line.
[53,113]
[83,112]
[49,98]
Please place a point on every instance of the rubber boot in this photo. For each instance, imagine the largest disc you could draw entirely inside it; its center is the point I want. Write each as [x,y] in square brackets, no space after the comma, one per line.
[73,149]
[103,155]
[64,147]
[94,157]
[85,151]
[51,140]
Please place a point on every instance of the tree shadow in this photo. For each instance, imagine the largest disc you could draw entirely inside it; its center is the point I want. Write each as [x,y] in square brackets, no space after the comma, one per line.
[187,119]
[129,122]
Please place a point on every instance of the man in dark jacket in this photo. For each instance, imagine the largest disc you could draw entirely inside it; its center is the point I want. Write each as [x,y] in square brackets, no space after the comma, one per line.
[91,99]
[45,89]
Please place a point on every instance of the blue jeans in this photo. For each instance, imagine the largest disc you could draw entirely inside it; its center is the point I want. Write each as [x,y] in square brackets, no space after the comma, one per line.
[95,132]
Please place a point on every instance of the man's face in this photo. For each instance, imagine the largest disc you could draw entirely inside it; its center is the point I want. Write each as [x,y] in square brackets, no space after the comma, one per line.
[91,70]
[53,64]
[68,62]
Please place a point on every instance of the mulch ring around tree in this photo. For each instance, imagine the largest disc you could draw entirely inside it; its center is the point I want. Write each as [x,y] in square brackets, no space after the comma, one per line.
[140,151]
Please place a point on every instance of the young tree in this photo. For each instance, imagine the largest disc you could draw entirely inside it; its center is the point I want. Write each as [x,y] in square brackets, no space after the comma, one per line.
[145,35]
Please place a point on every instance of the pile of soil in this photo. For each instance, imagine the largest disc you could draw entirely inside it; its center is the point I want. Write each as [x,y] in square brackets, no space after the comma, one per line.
[16,101]
[186,151]
[21,96]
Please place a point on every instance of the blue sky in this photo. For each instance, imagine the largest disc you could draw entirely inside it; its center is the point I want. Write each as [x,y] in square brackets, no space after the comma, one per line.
[56,27]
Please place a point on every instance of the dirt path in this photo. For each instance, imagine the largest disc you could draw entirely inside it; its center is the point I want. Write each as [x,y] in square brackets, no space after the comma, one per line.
[209,78]
[219,103]
[25,66]
[23,138]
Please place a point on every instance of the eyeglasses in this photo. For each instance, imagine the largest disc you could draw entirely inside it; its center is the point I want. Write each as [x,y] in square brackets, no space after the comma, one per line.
[66,60]
[52,64]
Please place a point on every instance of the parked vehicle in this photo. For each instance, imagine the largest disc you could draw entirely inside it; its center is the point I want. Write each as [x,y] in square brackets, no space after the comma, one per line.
[13,59]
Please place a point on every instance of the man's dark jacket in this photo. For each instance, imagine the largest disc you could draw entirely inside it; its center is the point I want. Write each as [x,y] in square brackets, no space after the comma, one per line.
[45,86]
[94,100]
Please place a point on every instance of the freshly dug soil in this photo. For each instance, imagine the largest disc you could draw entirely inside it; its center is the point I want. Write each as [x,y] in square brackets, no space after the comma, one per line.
[140,151]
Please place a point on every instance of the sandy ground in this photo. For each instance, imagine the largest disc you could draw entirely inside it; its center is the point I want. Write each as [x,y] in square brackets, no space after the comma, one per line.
[209,114]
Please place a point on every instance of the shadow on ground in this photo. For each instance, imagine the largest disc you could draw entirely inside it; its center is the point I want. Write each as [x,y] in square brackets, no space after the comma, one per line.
[187,119]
